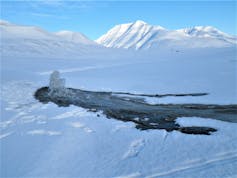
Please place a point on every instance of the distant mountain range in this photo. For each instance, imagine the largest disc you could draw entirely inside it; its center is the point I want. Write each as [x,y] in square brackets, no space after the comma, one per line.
[140,35]
[28,40]
[13,31]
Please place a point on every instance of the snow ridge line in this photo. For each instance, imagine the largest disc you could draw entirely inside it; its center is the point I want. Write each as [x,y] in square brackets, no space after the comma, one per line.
[228,157]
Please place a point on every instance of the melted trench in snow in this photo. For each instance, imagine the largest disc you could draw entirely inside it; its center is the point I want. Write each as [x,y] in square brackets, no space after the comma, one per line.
[133,108]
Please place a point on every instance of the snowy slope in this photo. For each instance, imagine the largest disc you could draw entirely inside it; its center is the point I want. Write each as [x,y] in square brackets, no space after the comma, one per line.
[34,41]
[44,140]
[74,37]
[13,31]
[140,35]
[208,31]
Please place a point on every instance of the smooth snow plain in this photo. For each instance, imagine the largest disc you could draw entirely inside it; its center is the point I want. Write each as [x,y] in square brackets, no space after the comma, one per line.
[44,140]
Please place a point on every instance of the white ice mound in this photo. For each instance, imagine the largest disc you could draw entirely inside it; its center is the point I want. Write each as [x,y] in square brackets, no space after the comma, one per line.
[56,84]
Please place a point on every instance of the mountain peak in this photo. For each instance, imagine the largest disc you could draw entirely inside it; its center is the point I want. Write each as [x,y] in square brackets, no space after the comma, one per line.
[202,28]
[206,31]
[140,22]
[75,37]
[4,22]
[140,35]
[130,35]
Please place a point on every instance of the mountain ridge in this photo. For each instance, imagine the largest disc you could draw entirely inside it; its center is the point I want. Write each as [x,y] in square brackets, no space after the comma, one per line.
[141,35]
[137,35]
[10,30]
[34,41]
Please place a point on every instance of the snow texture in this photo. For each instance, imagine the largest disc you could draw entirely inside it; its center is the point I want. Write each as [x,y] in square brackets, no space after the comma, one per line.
[44,140]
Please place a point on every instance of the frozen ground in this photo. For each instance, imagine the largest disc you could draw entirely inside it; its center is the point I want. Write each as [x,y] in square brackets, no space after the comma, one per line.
[44,140]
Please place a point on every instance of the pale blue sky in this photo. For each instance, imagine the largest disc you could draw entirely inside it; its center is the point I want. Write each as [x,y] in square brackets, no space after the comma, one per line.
[96,18]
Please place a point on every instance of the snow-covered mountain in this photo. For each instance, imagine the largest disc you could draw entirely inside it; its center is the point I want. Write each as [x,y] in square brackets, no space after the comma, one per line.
[13,31]
[140,35]
[30,40]
[34,41]
[44,140]
[75,37]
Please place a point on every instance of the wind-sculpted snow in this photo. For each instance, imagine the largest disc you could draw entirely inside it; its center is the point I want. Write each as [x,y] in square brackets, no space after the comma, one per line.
[43,132]
[5,135]
[134,149]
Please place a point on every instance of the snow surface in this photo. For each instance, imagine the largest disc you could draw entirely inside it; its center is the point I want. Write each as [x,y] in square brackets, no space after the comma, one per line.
[75,37]
[44,140]
[19,40]
[140,35]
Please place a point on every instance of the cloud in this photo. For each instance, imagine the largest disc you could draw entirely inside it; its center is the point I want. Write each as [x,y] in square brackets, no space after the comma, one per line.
[48,15]
[53,3]
[76,5]
[63,4]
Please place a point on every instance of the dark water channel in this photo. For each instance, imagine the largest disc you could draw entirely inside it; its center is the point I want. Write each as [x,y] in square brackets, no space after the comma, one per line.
[133,108]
